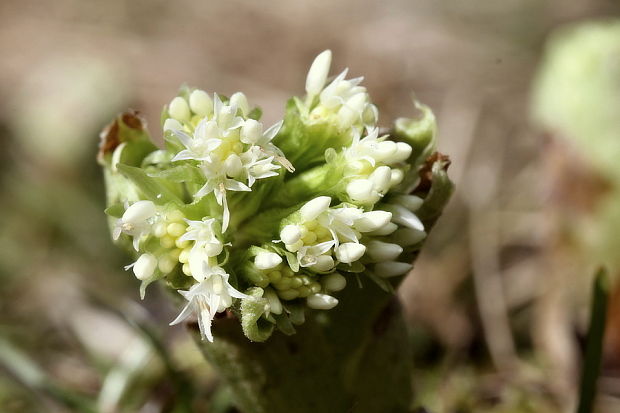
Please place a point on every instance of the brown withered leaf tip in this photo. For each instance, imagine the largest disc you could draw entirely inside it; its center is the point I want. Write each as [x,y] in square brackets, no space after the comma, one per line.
[109,137]
[426,173]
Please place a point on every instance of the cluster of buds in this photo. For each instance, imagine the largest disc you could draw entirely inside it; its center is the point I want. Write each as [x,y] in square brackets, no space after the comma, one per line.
[265,221]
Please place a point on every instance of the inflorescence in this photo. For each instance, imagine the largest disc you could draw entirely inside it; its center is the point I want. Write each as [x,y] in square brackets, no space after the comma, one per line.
[231,211]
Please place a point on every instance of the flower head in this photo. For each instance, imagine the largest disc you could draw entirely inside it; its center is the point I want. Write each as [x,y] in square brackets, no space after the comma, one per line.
[266,221]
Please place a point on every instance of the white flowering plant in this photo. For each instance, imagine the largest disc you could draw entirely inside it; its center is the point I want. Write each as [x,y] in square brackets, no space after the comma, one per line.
[267,222]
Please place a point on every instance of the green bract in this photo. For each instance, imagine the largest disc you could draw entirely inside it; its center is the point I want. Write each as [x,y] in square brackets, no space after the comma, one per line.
[265,222]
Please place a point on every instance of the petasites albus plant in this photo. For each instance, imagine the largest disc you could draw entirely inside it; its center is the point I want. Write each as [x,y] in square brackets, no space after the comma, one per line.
[294,234]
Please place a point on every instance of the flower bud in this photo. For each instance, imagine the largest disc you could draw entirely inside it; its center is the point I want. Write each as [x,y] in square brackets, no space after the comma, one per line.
[381,178]
[411,202]
[373,220]
[321,302]
[172,124]
[361,190]
[385,151]
[252,131]
[387,229]
[267,260]
[145,266]
[380,251]
[240,101]
[403,152]
[351,111]
[317,75]
[405,217]
[233,165]
[370,115]
[323,263]
[314,208]
[200,103]
[275,306]
[290,234]
[179,109]
[391,269]
[396,177]
[139,211]
[334,282]
[407,236]
[349,252]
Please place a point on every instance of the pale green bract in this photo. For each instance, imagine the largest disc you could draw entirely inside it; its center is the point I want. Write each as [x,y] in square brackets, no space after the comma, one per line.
[267,221]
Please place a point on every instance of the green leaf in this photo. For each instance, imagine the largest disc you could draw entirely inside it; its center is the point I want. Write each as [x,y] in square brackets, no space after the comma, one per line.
[438,195]
[150,187]
[254,326]
[180,173]
[115,210]
[418,132]
[283,322]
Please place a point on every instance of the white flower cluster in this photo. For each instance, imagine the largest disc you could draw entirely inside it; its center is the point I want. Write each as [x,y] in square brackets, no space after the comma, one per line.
[343,101]
[218,245]
[232,150]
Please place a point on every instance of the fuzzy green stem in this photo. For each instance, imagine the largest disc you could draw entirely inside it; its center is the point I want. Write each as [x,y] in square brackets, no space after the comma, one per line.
[354,358]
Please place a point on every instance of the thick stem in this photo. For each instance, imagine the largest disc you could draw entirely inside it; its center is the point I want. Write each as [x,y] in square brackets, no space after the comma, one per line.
[354,358]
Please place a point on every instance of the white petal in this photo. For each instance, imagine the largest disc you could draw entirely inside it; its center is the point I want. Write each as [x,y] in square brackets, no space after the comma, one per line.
[233,185]
[186,312]
[172,124]
[349,252]
[139,211]
[411,202]
[267,260]
[373,220]
[252,131]
[391,269]
[314,208]
[240,101]
[321,302]
[290,234]
[179,109]
[380,178]
[200,103]
[334,282]
[361,190]
[403,216]
[383,251]
[145,266]
[407,236]
[272,131]
[317,74]
[323,263]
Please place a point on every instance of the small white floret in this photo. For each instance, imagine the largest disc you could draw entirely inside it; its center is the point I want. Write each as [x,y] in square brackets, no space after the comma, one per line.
[361,190]
[240,101]
[391,269]
[373,220]
[200,103]
[381,178]
[349,252]
[317,75]
[323,263]
[139,211]
[290,234]
[266,260]
[334,282]
[179,109]
[172,125]
[321,302]
[314,208]
[380,251]
[144,267]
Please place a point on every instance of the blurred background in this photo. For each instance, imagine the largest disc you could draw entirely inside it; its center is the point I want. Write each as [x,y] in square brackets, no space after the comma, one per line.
[498,302]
